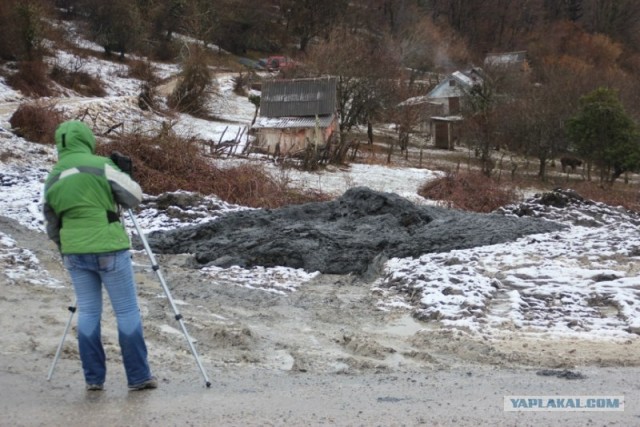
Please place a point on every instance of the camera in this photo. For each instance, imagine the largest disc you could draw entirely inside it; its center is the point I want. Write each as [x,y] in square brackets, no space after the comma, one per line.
[124,163]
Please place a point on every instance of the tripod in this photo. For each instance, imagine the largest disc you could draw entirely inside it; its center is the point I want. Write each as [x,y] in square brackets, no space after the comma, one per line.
[178,316]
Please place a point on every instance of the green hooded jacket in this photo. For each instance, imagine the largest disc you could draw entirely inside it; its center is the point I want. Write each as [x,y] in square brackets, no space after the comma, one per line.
[83,193]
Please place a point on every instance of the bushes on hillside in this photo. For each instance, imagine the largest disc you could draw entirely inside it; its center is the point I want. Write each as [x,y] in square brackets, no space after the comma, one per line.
[79,81]
[31,79]
[621,195]
[169,163]
[36,122]
[194,86]
[468,191]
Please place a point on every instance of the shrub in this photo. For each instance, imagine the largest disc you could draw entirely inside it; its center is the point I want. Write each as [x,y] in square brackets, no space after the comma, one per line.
[36,122]
[621,195]
[169,163]
[79,81]
[31,79]
[165,50]
[194,87]
[241,82]
[143,70]
[469,191]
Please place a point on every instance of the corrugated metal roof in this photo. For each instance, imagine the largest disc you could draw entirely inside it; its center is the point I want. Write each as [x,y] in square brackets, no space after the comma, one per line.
[298,98]
[506,58]
[455,84]
[418,100]
[291,122]
[447,118]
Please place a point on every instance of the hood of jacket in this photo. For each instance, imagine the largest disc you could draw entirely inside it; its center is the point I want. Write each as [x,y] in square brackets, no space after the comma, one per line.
[74,136]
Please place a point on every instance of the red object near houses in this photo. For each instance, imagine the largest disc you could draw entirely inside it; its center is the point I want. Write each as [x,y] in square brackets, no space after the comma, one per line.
[277,63]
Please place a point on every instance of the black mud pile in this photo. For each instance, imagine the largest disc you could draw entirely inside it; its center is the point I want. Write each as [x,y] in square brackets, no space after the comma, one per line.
[566,206]
[341,236]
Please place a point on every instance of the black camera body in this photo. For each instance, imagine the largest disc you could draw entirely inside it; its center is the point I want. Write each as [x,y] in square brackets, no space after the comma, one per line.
[124,163]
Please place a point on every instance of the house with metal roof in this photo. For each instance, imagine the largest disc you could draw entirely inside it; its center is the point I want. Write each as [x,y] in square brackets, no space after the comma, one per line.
[511,60]
[449,92]
[294,114]
[448,95]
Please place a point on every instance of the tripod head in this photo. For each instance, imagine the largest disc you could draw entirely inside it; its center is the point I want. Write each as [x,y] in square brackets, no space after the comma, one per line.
[123,162]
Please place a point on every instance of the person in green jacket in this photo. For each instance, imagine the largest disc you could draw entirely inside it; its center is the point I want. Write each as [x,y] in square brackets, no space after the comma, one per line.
[82,197]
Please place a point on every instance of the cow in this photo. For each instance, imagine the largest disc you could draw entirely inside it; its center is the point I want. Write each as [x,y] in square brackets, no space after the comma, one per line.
[571,162]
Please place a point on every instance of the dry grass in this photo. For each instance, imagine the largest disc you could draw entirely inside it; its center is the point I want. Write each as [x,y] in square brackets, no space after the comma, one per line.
[194,87]
[165,50]
[79,81]
[620,194]
[31,79]
[169,163]
[36,122]
[143,70]
[473,191]
[469,191]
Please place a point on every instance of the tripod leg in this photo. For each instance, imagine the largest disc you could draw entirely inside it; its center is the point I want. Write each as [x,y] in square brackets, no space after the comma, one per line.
[178,316]
[72,309]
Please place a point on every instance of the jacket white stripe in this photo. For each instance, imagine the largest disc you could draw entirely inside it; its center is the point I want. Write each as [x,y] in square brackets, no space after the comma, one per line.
[126,191]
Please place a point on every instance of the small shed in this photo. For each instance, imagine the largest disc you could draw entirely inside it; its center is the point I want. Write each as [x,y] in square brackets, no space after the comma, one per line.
[295,113]
[445,131]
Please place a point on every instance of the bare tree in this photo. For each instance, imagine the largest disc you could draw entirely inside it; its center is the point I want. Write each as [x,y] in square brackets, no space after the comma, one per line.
[306,19]
[481,121]
[195,85]
[23,29]
[366,71]
[427,46]
[558,10]
[534,120]
[167,16]
[491,24]
[116,25]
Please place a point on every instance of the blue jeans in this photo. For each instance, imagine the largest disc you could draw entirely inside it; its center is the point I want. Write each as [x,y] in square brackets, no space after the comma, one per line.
[114,270]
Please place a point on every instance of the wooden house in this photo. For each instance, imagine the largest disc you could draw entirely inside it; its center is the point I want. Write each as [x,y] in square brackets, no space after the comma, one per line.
[294,114]
[448,96]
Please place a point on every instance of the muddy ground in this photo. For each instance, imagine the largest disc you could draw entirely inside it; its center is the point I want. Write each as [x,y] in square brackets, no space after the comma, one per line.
[322,355]
[341,236]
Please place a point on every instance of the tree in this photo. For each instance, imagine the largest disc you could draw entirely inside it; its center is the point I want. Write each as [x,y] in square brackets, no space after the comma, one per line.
[571,10]
[619,19]
[116,25]
[167,17]
[534,116]
[366,71]
[195,86]
[489,24]
[23,29]
[306,19]
[479,109]
[537,120]
[427,47]
[604,135]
